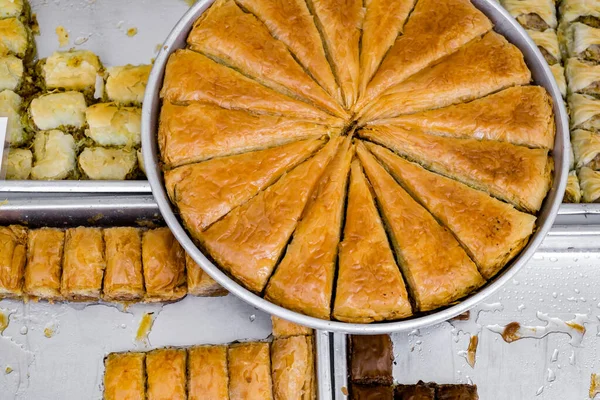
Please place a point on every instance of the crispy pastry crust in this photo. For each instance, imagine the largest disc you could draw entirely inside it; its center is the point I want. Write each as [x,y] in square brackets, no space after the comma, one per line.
[123,280]
[125,376]
[112,125]
[292,368]
[13,254]
[558,71]
[283,328]
[589,181]
[166,371]
[83,264]
[583,77]
[371,359]
[71,70]
[199,283]
[204,362]
[127,84]
[250,372]
[44,263]
[573,190]
[14,37]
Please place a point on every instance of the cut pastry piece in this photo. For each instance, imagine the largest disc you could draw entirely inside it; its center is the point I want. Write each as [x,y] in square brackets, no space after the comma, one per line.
[283,328]
[163,261]
[364,392]
[340,23]
[190,76]
[371,359]
[437,269]
[11,73]
[101,163]
[250,254]
[112,125]
[384,20]
[584,112]
[14,37]
[558,71]
[249,371]
[420,391]
[199,283]
[582,41]
[125,376]
[10,107]
[291,22]
[44,261]
[573,191]
[207,373]
[435,29]
[586,148]
[303,281]
[54,153]
[83,264]
[58,111]
[521,115]
[140,159]
[18,164]
[537,15]
[71,70]
[583,77]
[516,174]
[589,180]
[13,254]
[197,132]
[12,8]
[293,368]
[207,191]
[166,372]
[492,231]
[585,11]
[547,42]
[481,67]
[239,39]
[369,284]
[127,84]
[123,280]
[456,392]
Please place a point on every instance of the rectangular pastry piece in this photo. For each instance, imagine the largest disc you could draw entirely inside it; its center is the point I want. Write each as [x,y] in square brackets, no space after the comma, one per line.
[283,328]
[83,264]
[127,84]
[125,376]
[538,15]
[293,368]
[58,110]
[112,125]
[12,8]
[13,255]
[456,392]
[10,107]
[582,41]
[249,371]
[589,181]
[582,77]
[584,111]
[420,391]
[11,73]
[105,163]
[585,11]
[586,148]
[371,359]
[547,42]
[573,190]
[18,164]
[199,283]
[54,153]
[123,279]
[71,70]
[208,377]
[14,38]
[363,392]
[558,71]
[163,261]
[166,374]
[44,262]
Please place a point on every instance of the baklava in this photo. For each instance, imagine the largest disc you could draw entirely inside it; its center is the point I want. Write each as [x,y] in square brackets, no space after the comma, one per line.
[582,41]
[249,366]
[547,42]
[12,8]
[303,280]
[371,359]
[584,111]
[127,84]
[163,261]
[71,70]
[365,392]
[14,38]
[573,190]
[589,181]
[58,111]
[586,148]
[10,107]
[583,77]
[585,11]
[293,368]
[125,376]
[83,264]
[112,125]
[123,279]
[166,374]
[54,155]
[283,328]
[13,255]
[44,263]
[102,163]
[538,15]
[11,73]
[456,392]
[558,71]
[420,391]
[208,377]
[199,283]
[140,159]
[19,163]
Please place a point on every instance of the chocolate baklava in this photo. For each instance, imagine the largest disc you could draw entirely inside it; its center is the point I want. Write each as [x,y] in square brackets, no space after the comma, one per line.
[456,392]
[371,359]
[420,391]
[364,392]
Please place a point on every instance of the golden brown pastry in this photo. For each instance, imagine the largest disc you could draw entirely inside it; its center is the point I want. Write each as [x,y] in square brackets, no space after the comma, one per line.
[248,241]
[18,164]
[291,22]
[199,283]
[340,23]
[249,371]
[303,280]
[558,71]
[293,369]
[58,111]
[54,155]
[14,37]
[589,180]
[123,280]
[124,376]
[369,284]
[13,254]
[586,148]
[71,70]
[539,15]
[10,107]
[13,8]
[11,73]
[516,174]
[586,11]
[435,266]
[584,111]
[581,41]
[126,84]
[207,191]
[521,115]
[166,372]
[436,28]
[44,259]
[207,373]
[241,41]
[492,231]
[384,20]
[481,67]
[163,261]
[583,77]
[102,163]
[191,76]
[113,125]
[547,42]
[283,328]
[83,264]
[573,190]
[197,132]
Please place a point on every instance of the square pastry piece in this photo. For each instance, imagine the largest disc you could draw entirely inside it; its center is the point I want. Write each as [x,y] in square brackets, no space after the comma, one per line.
[13,244]
[250,372]
[420,391]
[371,359]
[362,392]
[124,376]
[456,392]
[127,84]
[72,70]
[44,259]
[166,372]
[203,362]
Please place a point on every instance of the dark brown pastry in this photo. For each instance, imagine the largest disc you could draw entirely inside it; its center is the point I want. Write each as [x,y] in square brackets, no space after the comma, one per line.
[361,392]
[420,391]
[371,360]
[456,392]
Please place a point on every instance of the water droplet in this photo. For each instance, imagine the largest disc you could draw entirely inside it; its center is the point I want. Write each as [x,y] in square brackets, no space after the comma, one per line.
[572,357]
[551,375]
[521,307]
[554,294]
[553,259]
[252,318]
[123,326]
[23,330]
[576,291]
[515,282]
[554,356]
[539,391]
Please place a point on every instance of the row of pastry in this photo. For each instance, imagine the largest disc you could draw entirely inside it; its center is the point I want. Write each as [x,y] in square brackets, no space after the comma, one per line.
[281,369]
[86,264]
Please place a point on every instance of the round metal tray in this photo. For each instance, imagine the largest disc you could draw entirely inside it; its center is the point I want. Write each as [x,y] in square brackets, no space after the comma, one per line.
[503,24]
